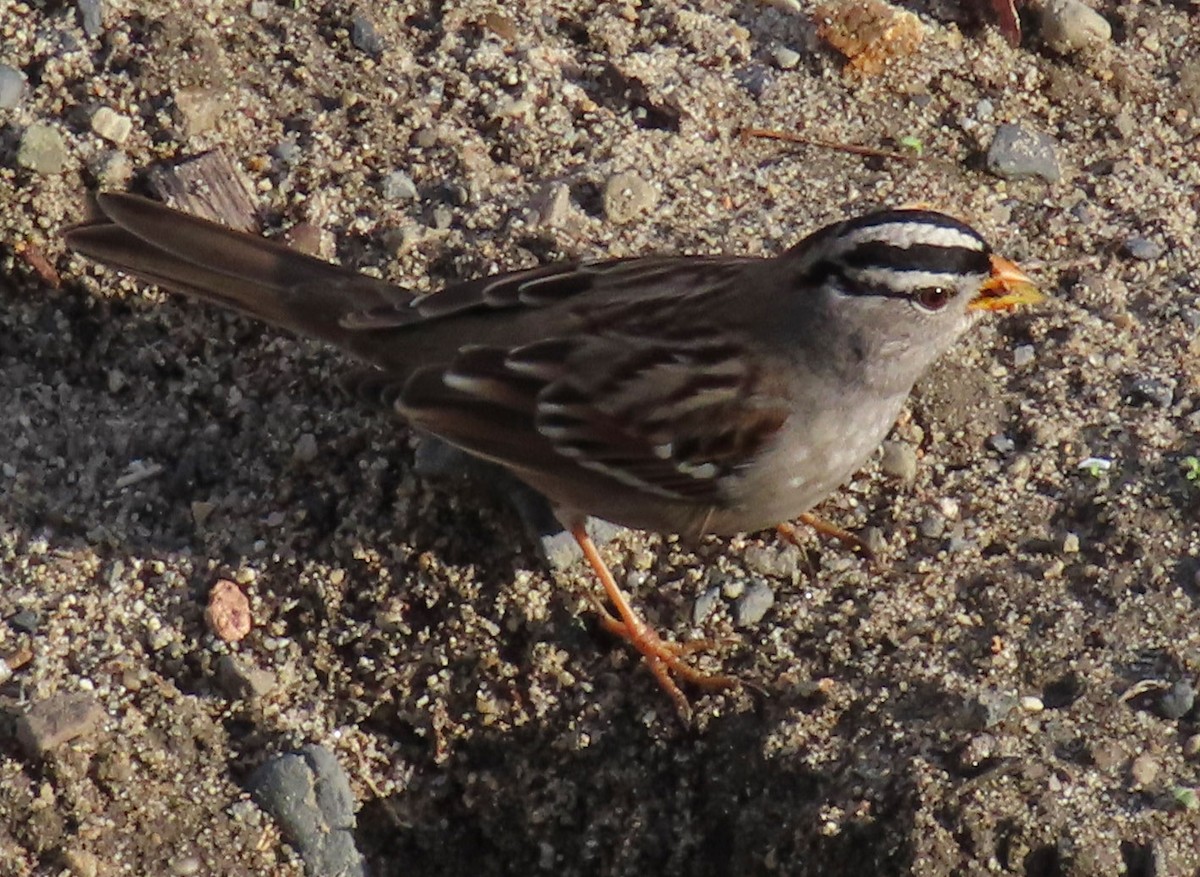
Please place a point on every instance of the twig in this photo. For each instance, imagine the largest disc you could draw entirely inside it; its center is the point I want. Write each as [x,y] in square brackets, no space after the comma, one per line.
[852,148]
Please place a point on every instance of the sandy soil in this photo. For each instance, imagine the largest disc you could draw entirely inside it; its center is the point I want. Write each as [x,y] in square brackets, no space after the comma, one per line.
[1008,693]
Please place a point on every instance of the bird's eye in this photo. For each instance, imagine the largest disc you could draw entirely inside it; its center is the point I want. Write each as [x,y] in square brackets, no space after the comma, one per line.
[934,298]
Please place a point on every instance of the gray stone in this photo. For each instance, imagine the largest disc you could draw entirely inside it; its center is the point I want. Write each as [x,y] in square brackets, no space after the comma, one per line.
[288,150]
[1070,26]
[363,35]
[1143,249]
[1019,153]
[111,125]
[111,168]
[553,204]
[899,461]
[1152,391]
[1177,701]
[12,87]
[308,794]
[57,720]
[42,150]
[778,561]
[25,621]
[241,681]
[305,450]
[932,526]
[1023,355]
[398,186]
[1001,443]
[754,604]
[91,16]
[627,196]
[993,707]
[705,604]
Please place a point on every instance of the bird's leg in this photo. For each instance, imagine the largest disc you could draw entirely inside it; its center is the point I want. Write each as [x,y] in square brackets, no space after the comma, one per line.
[661,656]
[788,533]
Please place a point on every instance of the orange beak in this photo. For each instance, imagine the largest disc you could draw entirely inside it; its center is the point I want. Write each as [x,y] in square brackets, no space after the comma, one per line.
[1006,289]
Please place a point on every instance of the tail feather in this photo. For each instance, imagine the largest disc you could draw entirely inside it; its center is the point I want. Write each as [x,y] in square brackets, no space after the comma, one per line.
[233,269]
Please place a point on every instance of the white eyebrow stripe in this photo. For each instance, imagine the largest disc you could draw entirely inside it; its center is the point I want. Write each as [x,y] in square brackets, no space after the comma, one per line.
[903,281]
[905,234]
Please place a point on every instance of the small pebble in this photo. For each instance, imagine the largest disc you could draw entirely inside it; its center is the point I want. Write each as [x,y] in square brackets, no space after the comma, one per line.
[25,621]
[705,604]
[932,526]
[753,605]
[1070,544]
[1070,26]
[553,204]
[288,150]
[56,720]
[899,461]
[12,87]
[305,450]
[186,866]
[81,863]
[111,125]
[1023,355]
[1019,153]
[228,611]
[398,186]
[785,58]
[198,109]
[1032,704]
[732,588]
[1177,701]
[243,681]
[111,168]
[363,35]
[1152,391]
[42,150]
[993,707]
[1001,443]
[441,217]
[626,196]
[91,17]
[1143,249]
[1191,746]
[202,511]
[777,561]
[260,10]
[978,750]
[1144,770]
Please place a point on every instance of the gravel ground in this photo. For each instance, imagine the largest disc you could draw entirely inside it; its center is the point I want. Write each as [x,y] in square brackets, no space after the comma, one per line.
[1010,691]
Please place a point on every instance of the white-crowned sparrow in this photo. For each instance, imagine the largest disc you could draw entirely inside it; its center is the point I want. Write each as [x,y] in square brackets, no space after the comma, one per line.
[680,394]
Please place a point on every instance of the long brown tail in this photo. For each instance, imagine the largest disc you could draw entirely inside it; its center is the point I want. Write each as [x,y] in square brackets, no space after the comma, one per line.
[236,270]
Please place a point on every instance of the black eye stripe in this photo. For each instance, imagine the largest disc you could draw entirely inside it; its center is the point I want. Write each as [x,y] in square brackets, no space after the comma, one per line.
[918,257]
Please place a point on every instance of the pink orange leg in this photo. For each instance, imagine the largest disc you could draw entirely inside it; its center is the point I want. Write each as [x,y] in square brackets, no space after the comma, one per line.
[662,657]
[789,534]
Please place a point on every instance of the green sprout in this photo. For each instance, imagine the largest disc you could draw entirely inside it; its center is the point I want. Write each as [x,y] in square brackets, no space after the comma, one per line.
[913,144]
[1191,469]
[1185,797]
[1095,466]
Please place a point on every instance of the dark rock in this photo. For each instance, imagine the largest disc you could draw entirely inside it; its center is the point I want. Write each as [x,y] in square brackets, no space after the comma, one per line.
[309,795]
[363,35]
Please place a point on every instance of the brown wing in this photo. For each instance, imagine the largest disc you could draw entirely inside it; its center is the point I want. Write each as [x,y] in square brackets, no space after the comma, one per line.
[671,418]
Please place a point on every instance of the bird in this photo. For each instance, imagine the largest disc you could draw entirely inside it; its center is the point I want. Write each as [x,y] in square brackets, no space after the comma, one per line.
[680,394]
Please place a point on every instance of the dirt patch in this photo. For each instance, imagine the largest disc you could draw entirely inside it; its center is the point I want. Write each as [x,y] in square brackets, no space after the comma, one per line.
[1009,693]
